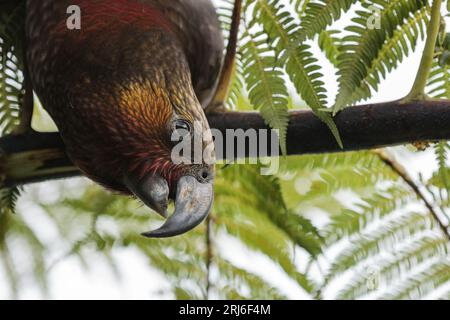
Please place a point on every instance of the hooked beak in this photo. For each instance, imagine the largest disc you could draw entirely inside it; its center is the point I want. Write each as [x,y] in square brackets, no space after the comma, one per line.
[193,202]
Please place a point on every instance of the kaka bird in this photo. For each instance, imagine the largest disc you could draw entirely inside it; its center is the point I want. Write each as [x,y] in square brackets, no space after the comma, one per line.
[121,85]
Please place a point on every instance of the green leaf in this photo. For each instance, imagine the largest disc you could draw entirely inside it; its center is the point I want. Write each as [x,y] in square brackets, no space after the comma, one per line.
[300,64]
[368,54]
[319,14]
[265,84]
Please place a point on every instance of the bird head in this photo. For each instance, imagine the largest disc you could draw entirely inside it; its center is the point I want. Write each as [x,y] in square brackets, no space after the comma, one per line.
[172,156]
[140,130]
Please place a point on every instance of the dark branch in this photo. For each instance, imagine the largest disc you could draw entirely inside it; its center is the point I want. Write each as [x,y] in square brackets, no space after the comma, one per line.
[226,76]
[390,161]
[40,156]
[361,127]
[34,157]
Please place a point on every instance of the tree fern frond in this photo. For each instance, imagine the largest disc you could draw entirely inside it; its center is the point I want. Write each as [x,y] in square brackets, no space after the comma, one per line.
[329,44]
[373,208]
[438,85]
[237,85]
[331,162]
[259,289]
[12,276]
[441,178]
[300,5]
[12,230]
[257,241]
[314,182]
[319,14]
[420,284]
[368,54]
[394,266]
[12,22]
[263,193]
[8,199]
[370,243]
[265,84]
[11,92]
[299,62]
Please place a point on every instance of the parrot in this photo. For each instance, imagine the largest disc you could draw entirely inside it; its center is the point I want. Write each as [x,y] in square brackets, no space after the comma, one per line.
[118,88]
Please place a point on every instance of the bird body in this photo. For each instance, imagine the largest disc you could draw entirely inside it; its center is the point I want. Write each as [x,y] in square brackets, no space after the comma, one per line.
[118,86]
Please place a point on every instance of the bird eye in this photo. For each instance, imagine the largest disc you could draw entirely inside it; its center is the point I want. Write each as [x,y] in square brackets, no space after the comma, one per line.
[181,125]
